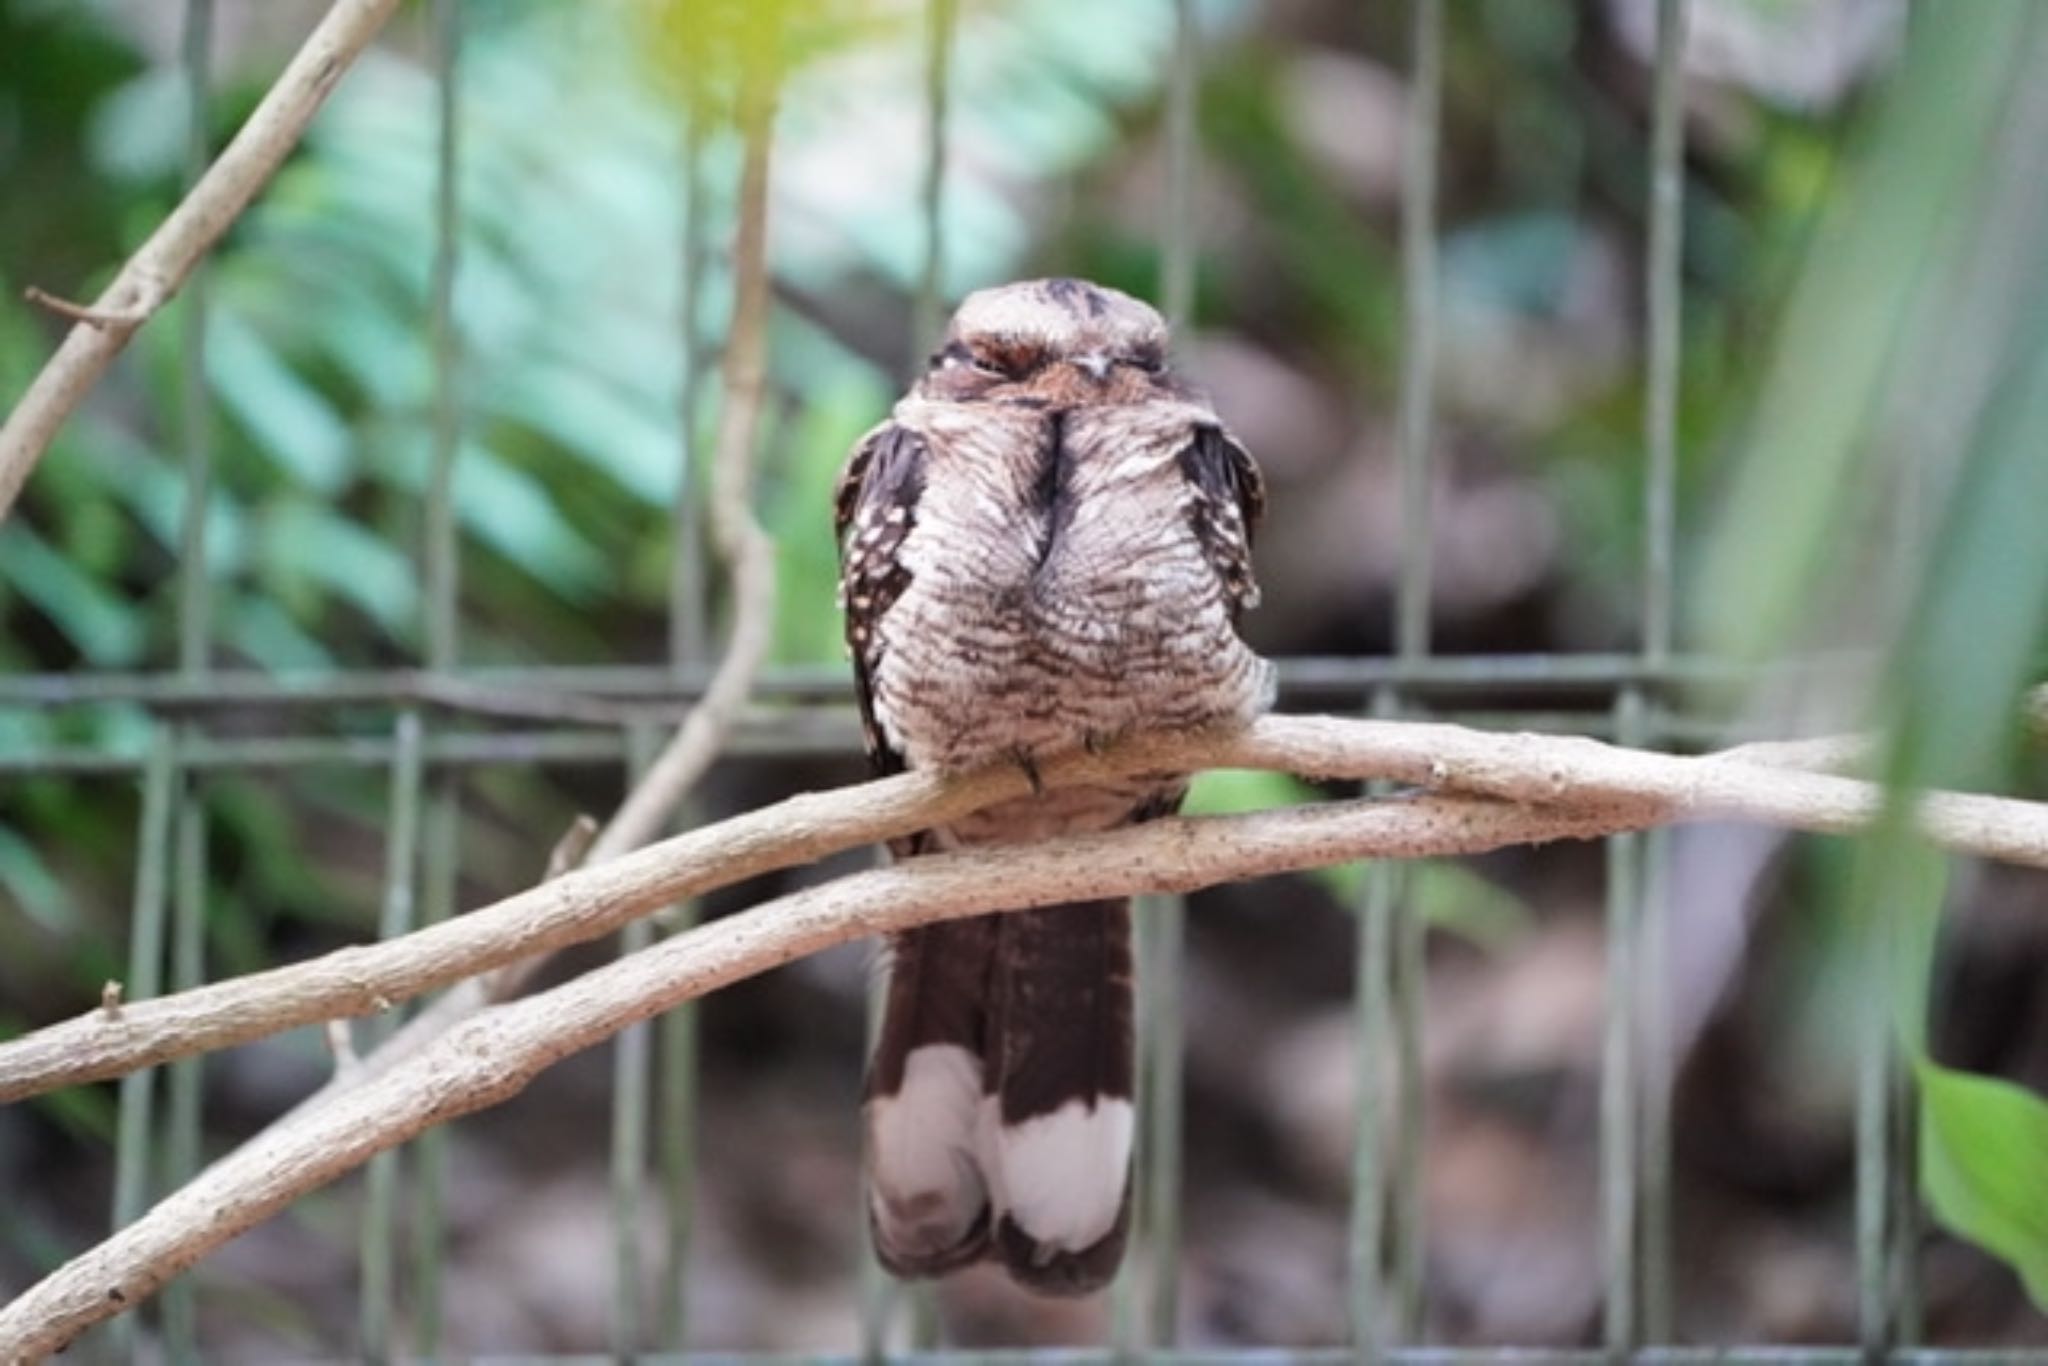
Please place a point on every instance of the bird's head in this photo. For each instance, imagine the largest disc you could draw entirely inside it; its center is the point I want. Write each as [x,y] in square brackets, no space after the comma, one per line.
[1054,343]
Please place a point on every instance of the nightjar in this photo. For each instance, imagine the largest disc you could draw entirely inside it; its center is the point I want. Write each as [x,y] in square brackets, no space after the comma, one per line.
[1045,546]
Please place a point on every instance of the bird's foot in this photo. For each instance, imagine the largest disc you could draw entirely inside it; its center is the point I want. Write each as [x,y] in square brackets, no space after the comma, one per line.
[1029,763]
[1099,742]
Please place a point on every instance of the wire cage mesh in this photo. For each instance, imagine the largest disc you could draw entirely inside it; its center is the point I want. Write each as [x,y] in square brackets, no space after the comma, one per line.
[431,731]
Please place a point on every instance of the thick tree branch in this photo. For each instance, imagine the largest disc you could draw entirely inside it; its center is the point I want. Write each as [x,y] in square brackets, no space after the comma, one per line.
[1536,789]
[585,904]
[1615,788]
[493,1055]
[156,272]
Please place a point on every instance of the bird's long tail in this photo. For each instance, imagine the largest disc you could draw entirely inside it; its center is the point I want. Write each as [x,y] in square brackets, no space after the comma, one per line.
[1060,1117]
[928,1203]
[1000,1115]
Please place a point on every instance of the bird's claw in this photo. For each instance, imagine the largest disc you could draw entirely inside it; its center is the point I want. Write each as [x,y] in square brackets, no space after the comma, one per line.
[1029,764]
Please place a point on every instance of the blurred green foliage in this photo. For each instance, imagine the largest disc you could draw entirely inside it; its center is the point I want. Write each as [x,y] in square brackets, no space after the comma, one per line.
[566,305]
[1914,326]
[1841,526]
[321,382]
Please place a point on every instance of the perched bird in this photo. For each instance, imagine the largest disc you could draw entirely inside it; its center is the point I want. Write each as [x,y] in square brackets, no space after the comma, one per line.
[1048,544]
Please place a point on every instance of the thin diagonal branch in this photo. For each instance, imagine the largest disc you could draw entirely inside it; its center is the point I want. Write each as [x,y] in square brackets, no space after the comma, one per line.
[493,1055]
[156,271]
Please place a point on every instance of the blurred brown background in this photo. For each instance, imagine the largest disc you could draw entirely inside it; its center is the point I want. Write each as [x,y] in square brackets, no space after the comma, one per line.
[318,388]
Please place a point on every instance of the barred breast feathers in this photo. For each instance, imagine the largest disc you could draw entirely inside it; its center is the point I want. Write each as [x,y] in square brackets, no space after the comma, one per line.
[1023,580]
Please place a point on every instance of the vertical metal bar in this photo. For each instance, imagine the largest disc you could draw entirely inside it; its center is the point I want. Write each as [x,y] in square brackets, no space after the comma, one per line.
[1904,1195]
[395,917]
[183,1147]
[1666,303]
[194,605]
[182,1138]
[1178,250]
[145,979]
[1373,1325]
[1873,1147]
[877,1292]
[441,555]
[1656,1071]
[1410,1155]
[1130,1293]
[1650,999]
[1161,921]
[1391,962]
[678,1139]
[441,857]
[1420,146]
[940,19]
[1419,324]
[632,1088]
[1618,1068]
[1163,936]
[443,565]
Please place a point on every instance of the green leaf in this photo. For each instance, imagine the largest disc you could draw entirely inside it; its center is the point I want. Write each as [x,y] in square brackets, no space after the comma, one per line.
[1781,529]
[258,628]
[1456,899]
[289,421]
[1448,896]
[599,424]
[134,474]
[85,1113]
[502,507]
[1971,648]
[32,885]
[381,351]
[309,543]
[1229,791]
[1984,1167]
[138,132]
[514,514]
[1232,791]
[107,630]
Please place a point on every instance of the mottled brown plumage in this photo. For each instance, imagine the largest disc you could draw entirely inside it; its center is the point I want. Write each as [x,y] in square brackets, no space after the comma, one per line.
[1047,545]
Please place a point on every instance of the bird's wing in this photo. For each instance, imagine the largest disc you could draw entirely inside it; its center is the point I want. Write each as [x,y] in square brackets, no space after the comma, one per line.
[1229,498]
[874,508]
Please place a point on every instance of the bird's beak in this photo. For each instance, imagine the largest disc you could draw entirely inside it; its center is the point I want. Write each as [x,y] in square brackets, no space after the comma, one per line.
[1096,364]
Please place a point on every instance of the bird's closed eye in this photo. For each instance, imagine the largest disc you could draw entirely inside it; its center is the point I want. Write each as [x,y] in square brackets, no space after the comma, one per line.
[995,366]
